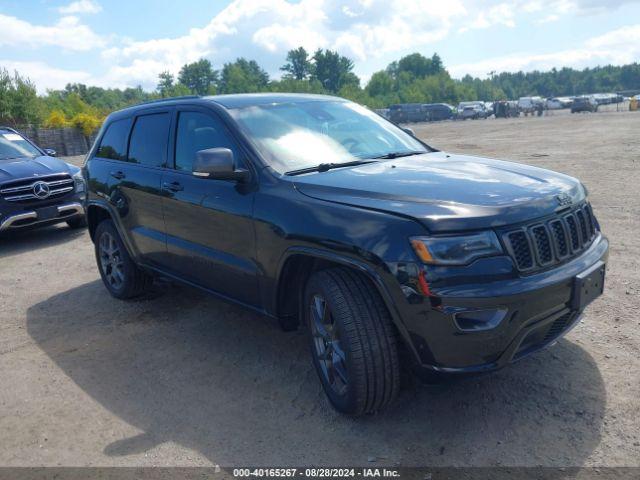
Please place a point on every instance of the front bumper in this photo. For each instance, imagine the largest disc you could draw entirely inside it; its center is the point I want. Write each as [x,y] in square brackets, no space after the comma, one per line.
[535,310]
[31,218]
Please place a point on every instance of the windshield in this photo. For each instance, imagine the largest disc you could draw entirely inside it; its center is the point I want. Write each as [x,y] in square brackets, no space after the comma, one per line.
[13,145]
[298,135]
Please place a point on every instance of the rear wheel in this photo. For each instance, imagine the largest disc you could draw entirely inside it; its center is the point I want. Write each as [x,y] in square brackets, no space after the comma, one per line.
[353,341]
[122,277]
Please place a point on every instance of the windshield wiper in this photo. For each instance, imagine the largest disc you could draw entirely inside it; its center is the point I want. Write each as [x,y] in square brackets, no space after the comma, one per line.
[399,154]
[323,167]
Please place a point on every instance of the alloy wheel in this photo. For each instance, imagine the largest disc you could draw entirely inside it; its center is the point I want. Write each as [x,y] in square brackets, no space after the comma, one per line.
[327,345]
[111,261]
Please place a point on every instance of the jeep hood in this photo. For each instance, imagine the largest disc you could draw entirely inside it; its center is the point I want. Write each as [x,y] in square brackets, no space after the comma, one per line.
[446,192]
[29,167]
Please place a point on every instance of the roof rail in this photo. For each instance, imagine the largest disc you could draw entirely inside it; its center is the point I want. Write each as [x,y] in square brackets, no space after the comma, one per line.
[168,99]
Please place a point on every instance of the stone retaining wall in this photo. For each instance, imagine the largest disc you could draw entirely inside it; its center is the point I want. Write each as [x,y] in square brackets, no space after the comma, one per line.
[65,141]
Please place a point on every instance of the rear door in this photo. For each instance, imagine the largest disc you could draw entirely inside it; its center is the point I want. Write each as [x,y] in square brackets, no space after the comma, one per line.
[136,191]
[209,224]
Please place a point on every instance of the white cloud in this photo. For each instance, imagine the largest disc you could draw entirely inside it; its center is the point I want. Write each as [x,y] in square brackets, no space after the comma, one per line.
[68,34]
[369,31]
[361,29]
[44,76]
[267,29]
[490,16]
[81,6]
[617,47]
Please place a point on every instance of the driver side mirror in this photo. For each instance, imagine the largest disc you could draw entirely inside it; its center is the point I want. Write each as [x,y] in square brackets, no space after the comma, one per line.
[50,152]
[218,163]
[409,131]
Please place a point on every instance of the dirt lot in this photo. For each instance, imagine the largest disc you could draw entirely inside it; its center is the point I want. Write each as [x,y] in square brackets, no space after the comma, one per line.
[179,378]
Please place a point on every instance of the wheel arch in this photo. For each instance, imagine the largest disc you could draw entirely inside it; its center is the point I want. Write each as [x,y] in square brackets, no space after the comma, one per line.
[98,212]
[298,263]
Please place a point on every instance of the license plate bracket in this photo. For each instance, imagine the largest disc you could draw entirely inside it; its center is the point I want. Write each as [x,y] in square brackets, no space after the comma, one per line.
[47,213]
[588,285]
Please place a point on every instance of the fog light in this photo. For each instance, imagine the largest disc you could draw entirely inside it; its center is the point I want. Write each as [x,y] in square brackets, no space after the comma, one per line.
[478,320]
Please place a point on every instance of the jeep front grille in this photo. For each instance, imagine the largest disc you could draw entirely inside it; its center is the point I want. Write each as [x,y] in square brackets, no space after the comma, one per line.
[542,244]
[23,190]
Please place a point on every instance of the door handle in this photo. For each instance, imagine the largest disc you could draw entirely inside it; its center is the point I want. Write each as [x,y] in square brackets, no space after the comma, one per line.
[118,175]
[173,186]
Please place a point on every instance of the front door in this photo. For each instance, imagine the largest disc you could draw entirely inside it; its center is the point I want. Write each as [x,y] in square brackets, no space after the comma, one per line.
[209,225]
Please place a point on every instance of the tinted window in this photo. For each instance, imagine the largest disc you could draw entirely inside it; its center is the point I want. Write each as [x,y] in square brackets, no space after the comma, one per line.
[114,141]
[199,131]
[148,145]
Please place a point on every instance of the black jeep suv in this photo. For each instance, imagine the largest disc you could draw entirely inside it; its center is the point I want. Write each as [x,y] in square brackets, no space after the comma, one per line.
[35,188]
[316,211]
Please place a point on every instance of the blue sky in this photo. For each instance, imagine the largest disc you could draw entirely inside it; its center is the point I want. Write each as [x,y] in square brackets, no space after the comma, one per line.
[126,43]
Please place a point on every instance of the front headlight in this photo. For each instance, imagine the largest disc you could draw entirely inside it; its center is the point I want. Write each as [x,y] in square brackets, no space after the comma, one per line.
[79,182]
[456,250]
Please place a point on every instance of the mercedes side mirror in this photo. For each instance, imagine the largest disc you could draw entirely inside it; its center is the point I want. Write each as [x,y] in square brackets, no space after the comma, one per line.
[50,152]
[218,163]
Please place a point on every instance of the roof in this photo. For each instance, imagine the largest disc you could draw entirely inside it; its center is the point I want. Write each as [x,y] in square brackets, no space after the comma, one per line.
[242,100]
[230,101]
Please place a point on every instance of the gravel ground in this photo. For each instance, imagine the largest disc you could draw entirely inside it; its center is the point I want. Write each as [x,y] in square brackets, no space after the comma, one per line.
[180,378]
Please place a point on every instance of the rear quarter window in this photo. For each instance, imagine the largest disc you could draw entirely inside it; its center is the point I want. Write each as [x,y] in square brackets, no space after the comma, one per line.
[113,145]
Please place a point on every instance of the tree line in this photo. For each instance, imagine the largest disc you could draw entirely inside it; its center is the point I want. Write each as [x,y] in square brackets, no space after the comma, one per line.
[414,78]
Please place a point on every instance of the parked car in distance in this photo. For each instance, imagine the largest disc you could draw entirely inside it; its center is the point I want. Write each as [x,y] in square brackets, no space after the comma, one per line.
[506,109]
[472,110]
[383,112]
[557,103]
[36,189]
[439,111]
[317,212]
[584,103]
[529,105]
[407,113]
[602,98]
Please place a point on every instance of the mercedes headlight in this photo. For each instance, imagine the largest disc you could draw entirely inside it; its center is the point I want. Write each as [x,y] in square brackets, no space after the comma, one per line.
[456,250]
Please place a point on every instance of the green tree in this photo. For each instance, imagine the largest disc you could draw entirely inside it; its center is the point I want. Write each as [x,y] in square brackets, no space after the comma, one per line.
[381,84]
[333,70]
[243,76]
[292,85]
[298,65]
[168,88]
[165,83]
[419,66]
[198,76]
[19,102]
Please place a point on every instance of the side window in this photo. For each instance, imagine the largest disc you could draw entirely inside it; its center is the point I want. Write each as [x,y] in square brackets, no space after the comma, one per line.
[199,131]
[148,144]
[114,140]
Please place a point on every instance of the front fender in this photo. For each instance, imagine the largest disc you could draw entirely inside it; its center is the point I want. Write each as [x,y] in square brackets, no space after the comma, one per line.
[375,273]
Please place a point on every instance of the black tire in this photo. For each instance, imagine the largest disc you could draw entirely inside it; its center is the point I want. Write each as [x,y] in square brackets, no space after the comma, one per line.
[358,336]
[122,277]
[78,222]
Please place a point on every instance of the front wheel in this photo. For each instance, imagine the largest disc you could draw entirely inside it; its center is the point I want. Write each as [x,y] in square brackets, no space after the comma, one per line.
[353,341]
[122,277]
